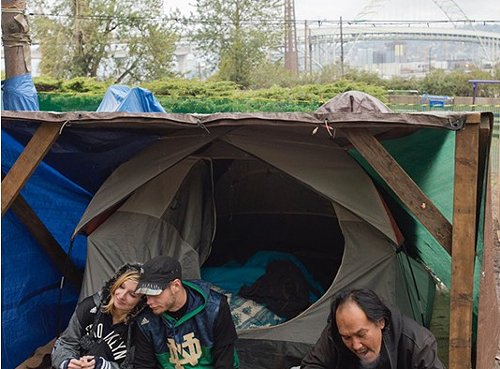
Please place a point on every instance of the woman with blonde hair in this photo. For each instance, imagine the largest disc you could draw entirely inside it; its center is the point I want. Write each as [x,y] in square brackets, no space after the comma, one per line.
[99,332]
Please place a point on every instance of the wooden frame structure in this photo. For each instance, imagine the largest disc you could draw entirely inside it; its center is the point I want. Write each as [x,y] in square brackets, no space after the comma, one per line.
[458,240]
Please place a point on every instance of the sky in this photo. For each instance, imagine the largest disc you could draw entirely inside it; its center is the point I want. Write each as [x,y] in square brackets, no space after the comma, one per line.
[390,9]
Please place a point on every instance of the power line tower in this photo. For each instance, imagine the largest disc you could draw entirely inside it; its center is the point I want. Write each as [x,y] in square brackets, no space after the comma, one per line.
[291,56]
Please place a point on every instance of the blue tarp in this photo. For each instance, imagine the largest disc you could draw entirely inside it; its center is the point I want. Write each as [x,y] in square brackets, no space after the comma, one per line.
[31,312]
[19,93]
[30,280]
[133,100]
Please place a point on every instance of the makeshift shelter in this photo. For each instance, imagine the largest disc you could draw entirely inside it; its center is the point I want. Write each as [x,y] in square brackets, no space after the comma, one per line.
[202,187]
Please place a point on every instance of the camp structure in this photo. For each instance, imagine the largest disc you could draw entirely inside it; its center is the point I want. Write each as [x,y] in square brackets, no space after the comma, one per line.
[391,201]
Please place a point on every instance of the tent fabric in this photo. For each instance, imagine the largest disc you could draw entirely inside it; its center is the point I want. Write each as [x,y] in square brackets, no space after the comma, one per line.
[354,102]
[173,224]
[308,166]
[304,160]
[145,166]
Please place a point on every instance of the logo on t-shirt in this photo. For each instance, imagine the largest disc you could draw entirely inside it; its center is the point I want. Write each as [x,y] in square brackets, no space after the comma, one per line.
[187,352]
[113,340]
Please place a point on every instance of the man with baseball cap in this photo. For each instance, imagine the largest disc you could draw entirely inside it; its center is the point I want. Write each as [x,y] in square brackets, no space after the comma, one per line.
[188,325]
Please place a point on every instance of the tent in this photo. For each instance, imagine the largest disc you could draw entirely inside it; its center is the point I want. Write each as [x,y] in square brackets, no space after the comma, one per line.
[245,190]
[290,195]
[228,184]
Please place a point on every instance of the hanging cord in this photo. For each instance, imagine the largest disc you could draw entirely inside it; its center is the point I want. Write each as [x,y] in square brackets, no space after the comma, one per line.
[61,286]
[419,300]
[201,125]
[332,132]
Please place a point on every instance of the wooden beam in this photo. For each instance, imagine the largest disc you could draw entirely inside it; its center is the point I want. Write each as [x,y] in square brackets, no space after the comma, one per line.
[43,236]
[402,184]
[464,241]
[28,161]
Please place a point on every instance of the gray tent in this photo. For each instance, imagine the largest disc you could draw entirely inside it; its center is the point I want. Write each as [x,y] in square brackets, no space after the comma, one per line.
[353,102]
[194,194]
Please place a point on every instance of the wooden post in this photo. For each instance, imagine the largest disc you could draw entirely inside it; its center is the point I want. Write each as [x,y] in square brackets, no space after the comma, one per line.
[25,165]
[463,243]
[16,38]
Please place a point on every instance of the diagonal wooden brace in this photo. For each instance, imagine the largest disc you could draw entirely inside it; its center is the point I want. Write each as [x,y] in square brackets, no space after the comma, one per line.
[39,231]
[28,161]
[402,184]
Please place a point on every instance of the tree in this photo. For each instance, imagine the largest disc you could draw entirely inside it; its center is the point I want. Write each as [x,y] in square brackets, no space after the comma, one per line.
[126,40]
[237,35]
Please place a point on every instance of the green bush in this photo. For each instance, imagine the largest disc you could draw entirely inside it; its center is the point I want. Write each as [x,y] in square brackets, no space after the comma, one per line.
[191,88]
[317,93]
[75,85]
[47,84]
[284,91]
[84,85]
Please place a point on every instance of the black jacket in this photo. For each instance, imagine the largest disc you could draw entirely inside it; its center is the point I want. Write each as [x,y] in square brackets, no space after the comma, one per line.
[83,334]
[408,345]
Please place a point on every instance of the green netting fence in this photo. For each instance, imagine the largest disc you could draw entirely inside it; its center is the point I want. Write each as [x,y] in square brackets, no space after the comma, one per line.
[87,102]
[495,109]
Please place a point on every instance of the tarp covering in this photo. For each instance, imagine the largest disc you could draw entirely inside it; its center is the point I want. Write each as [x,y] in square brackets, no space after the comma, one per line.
[59,202]
[19,93]
[30,280]
[354,102]
[34,293]
[124,98]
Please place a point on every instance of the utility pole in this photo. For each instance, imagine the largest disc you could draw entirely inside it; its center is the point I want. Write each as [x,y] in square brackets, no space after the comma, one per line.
[16,39]
[341,50]
[291,55]
[430,58]
[306,45]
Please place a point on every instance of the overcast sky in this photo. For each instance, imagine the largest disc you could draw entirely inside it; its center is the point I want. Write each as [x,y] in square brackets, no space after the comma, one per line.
[391,9]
